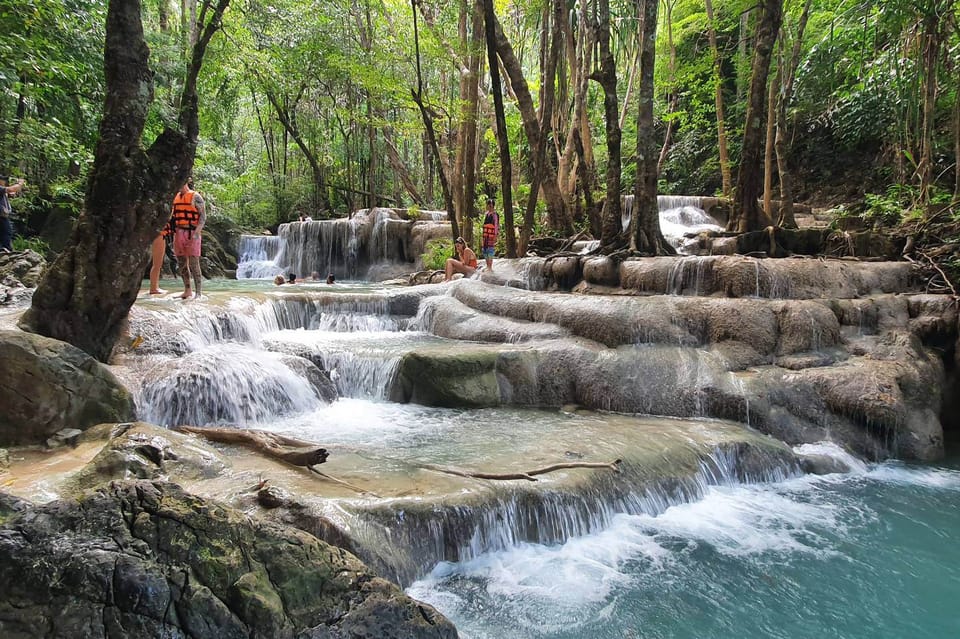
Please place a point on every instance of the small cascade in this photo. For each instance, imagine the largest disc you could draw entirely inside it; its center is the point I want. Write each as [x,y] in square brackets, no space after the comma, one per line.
[691,275]
[346,247]
[511,516]
[324,246]
[225,385]
[257,256]
[367,375]
[680,215]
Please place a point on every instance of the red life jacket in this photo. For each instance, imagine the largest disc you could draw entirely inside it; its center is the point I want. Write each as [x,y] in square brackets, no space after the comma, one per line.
[185,214]
[490,230]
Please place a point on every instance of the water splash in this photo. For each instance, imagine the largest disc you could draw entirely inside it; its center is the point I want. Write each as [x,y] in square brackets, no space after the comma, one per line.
[226,384]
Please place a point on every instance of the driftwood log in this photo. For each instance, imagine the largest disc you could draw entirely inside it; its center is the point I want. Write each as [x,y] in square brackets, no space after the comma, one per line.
[529,475]
[290,450]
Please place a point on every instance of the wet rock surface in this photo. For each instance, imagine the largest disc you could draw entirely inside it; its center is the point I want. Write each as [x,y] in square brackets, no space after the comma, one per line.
[145,559]
[50,385]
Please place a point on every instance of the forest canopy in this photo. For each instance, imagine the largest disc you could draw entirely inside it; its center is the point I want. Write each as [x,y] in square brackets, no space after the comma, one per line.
[308,106]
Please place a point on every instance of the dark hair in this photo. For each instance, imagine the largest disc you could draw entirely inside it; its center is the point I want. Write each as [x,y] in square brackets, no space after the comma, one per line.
[490,200]
[459,240]
[291,277]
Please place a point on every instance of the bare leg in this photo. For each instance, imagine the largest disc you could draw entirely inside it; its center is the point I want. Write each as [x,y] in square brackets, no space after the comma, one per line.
[197,275]
[489,263]
[157,250]
[456,266]
[183,267]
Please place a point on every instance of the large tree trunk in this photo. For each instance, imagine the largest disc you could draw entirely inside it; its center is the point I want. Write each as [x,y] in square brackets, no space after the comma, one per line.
[503,142]
[607,77]
[789,74]
[86,294]
[556,207]
[727,182]
[932,44]
[469,140]
[645,235]
[748,215]
[768,147]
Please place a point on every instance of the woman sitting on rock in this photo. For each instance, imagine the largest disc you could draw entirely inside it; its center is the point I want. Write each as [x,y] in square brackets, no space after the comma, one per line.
[465,262]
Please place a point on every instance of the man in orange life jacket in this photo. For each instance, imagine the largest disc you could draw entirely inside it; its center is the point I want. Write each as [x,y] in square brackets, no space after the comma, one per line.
[491,229]
[189,216]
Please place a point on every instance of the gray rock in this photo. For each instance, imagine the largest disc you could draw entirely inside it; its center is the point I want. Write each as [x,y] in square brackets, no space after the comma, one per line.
[142,559]
[51,385]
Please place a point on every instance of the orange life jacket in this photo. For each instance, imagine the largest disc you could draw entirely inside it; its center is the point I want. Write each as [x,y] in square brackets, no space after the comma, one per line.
[185,214]
[490,230]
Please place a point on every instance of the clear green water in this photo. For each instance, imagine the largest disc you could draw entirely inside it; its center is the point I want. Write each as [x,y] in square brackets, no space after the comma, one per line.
[874,554]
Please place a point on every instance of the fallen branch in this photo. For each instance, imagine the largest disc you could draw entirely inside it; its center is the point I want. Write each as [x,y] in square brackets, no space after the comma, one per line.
[528,475]
[295,452]
[292,451]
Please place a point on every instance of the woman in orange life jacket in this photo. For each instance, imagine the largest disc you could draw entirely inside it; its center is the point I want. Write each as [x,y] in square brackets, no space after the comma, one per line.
[188,219]
[465,262]
[491,229]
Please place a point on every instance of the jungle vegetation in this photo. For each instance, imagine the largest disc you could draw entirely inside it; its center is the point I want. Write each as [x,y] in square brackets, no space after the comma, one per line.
[555,107]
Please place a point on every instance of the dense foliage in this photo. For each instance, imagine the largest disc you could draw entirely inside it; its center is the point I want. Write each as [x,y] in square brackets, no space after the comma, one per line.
[306,105]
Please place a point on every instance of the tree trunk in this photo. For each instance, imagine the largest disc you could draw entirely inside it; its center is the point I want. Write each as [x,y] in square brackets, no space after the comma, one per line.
[789,74]
[393,156]
[556,207]
[645,235]
[748,215]
[674,97]
[932,43]
[727,182]
[469,140]
[86,294]
[611,227]
[503,143]
[768,147]
[456,174]
[417,94]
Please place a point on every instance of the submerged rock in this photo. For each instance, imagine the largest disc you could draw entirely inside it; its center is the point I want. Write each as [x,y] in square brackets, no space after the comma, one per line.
[141,559]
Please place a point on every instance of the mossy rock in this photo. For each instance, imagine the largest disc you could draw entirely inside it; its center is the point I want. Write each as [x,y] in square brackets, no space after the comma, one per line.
[461,379]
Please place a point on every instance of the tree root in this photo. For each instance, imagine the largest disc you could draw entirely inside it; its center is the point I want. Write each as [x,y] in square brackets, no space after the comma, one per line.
[528,475]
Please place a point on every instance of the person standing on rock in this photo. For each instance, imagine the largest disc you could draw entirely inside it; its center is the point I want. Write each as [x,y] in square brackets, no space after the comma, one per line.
[188,219]
[6,227]
[491,230]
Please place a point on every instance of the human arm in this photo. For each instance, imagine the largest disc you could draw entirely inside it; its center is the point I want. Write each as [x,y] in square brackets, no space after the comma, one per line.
[201,209]
[15,189]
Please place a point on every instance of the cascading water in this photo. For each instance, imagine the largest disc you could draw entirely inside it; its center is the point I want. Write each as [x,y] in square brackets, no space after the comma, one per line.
[680,215]
[718,541]
[257,258]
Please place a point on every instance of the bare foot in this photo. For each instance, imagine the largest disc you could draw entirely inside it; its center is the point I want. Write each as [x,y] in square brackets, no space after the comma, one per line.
[186,295]
[159,291]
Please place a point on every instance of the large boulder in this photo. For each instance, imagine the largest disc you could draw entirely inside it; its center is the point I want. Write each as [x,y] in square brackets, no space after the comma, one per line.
[145,559]
[50,385]
[21,268]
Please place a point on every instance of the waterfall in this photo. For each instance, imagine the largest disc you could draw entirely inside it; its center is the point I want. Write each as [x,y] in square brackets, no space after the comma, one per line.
[258,255]
[680,215]
[225,385]
[511,515]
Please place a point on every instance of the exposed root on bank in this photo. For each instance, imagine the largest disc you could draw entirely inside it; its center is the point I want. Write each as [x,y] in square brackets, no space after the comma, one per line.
[529,475]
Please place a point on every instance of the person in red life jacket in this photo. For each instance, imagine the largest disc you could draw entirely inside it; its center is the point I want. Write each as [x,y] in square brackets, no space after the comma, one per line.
[491,230]
[465,262]
[189,216]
